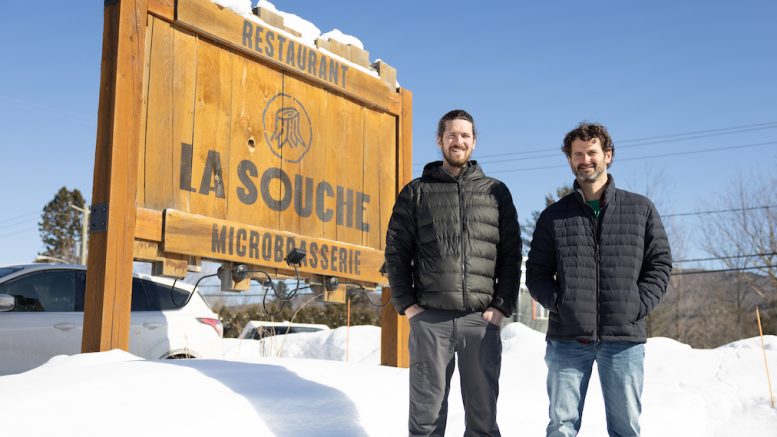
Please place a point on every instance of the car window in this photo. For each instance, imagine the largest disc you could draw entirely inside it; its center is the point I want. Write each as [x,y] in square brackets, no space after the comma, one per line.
[141,297]
[5,271]
[267,331]
[51,291]
[297,329]
[164,297]
[80,289]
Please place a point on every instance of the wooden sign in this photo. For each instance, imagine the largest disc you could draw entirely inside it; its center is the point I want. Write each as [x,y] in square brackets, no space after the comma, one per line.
[228,138]
[219,239]
[247,125]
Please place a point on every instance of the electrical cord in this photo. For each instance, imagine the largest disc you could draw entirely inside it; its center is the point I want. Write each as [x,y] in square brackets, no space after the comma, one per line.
[194,290]
[269,284]
[364,290]
[283,343]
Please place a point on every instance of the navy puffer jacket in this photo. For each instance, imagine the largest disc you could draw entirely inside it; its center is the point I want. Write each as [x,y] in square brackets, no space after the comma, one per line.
[454,243]
[599,277]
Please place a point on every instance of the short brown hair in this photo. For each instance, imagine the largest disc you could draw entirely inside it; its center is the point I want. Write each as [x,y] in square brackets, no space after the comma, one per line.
[586,132]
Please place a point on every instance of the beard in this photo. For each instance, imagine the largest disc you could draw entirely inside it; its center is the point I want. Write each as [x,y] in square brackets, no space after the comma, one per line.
[588,177]
[456,160]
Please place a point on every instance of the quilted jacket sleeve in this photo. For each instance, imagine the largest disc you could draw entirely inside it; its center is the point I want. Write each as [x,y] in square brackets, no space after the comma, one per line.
[656,264]
[508,267]
[400,251]
[541,266]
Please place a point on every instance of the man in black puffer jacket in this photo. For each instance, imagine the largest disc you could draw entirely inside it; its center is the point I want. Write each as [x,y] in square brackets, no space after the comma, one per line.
[600,262]
[453,254]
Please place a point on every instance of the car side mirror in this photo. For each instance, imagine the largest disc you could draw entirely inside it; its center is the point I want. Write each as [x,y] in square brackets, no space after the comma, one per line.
[7,302]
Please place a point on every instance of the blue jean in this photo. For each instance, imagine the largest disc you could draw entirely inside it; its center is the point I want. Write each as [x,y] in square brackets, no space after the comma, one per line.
[621,374]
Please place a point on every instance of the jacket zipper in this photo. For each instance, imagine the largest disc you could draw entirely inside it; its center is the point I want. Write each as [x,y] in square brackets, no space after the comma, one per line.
[597,259]
[595,230]
[462,219]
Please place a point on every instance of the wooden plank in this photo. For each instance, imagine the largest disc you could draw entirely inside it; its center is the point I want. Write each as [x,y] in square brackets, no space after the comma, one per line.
[148,224]
[170,265]
[213,91]
[349,167]
[371,178]
[230,241]
[335,107]
[145,250]
[405,151]
[292,131]
[162,8]
[140,188]
[338,295]
[395,330]
[253,85]
[388,173]
[394,334]
[304,124]
[109,267]
[158,161]
[311,169]
[184,78]
[350,173]
[239,33]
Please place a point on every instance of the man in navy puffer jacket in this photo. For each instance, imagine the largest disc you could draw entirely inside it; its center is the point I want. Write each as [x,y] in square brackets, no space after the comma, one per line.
[600,263]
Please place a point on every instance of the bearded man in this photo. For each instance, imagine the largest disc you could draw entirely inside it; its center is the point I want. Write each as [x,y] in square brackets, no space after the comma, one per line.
[600,263]
[453,255]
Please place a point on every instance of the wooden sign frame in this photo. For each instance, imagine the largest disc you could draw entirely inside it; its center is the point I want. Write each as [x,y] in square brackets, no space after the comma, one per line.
[225,138]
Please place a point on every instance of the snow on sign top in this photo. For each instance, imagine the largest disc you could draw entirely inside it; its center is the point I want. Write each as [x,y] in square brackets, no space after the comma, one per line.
[346,48]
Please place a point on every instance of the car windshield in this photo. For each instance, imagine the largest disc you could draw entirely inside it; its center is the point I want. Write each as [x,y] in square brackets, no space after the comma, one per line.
[8,270]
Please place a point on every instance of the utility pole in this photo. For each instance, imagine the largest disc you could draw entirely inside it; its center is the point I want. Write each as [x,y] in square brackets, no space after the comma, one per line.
[84,230]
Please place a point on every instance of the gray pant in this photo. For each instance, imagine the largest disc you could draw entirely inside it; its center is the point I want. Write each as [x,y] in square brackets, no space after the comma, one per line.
[434,338]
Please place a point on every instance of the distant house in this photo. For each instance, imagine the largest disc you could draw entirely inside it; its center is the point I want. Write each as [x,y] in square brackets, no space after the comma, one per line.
[529,312]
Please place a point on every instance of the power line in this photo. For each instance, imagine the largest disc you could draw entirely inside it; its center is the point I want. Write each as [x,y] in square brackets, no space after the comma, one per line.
[719,211]
[66,115]
[641,141]
[694,152]
[720,258]
[740,269]
[691,152]
[755,126]
[617,147]
[25,218]
[19,217]
[18,232]
[16,225]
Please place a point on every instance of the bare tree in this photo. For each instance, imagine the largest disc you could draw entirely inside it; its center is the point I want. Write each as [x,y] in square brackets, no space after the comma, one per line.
[744,238]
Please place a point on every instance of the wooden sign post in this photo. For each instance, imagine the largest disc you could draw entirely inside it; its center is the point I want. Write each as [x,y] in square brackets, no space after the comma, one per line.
[231,138]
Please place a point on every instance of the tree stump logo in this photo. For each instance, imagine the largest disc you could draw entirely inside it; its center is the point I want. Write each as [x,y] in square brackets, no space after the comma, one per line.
[287,127]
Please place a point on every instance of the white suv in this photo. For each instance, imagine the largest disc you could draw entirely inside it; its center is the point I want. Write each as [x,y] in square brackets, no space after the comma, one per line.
[42,314]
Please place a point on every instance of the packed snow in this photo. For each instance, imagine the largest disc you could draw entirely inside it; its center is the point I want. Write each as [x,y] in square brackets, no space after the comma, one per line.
[300,385]
[309,32]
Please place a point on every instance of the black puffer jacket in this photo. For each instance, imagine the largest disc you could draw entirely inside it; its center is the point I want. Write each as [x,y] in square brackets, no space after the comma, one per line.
[599,277]
[454,243]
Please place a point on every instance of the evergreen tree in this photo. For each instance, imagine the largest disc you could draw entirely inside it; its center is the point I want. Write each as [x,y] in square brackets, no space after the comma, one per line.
[60,225]
[527,228]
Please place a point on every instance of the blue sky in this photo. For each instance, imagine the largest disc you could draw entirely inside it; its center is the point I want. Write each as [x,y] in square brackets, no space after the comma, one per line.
[527,71]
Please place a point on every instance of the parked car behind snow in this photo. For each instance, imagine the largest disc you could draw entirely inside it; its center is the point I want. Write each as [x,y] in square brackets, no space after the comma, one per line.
[41,315]
[259,329]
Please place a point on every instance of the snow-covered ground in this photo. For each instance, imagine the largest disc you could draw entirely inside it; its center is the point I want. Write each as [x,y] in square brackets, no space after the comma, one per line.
[310,391]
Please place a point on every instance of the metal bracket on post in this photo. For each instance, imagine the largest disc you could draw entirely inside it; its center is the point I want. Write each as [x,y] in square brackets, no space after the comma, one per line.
[98,217]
